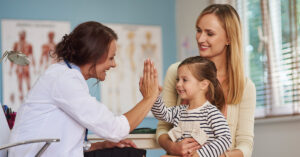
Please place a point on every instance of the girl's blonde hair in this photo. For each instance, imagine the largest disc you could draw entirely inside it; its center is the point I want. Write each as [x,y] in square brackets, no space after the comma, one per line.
[230,21]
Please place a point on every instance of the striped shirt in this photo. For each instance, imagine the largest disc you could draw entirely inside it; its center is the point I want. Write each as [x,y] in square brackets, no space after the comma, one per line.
[209,119]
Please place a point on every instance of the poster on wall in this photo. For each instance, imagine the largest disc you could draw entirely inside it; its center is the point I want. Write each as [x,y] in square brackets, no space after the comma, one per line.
[36,39]
[120,90]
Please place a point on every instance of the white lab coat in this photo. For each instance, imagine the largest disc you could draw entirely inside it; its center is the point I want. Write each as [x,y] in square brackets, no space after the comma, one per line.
[59,106]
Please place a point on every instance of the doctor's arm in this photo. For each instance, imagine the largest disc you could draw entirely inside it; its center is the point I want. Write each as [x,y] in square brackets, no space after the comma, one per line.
[150,91]
[71,94]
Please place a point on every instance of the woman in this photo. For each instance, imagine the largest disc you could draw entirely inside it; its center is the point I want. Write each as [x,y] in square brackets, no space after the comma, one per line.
[219,39]
[59,104]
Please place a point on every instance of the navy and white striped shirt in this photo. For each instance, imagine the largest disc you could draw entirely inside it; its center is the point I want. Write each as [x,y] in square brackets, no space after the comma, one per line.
[209,118]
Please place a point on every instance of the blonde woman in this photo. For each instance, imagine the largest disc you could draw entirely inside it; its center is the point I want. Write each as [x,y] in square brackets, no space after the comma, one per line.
[219,39]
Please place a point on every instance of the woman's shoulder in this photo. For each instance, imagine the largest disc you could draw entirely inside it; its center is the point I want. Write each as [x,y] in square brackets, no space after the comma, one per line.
[172,72]
[61,71]
[249,85]
[174,66]
[249,95]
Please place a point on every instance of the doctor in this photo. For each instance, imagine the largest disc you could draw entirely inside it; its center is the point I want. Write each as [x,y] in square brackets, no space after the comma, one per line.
[59,104]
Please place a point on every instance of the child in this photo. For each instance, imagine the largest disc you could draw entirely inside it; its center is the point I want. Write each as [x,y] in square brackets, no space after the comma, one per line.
[201,118]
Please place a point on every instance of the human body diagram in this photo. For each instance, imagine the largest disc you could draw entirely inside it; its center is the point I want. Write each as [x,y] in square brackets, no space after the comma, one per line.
[23,72]
[47,49]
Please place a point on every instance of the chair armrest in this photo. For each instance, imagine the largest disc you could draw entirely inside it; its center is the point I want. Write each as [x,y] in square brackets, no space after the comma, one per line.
[28,142]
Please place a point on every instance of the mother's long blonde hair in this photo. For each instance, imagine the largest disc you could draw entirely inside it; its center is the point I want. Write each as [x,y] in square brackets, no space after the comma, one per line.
[230,21]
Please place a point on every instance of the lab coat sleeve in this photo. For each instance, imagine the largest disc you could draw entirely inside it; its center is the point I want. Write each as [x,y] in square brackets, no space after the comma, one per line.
[71,94]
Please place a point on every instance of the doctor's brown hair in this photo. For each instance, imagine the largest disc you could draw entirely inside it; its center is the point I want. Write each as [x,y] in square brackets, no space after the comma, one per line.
[87,43]
[204,69]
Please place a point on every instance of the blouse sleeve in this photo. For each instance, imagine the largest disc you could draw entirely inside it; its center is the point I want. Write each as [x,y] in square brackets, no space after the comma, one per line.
[71,94]
[167,114]
[170,97]
[222,141]
[245,126]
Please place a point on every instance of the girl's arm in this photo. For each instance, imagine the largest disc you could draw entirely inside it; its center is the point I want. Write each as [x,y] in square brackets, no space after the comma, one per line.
[170,98]
[161,112]
[222,141]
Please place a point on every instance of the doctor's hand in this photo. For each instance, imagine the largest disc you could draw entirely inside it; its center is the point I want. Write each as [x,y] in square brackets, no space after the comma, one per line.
[149,87]
[125,143]
[109,144]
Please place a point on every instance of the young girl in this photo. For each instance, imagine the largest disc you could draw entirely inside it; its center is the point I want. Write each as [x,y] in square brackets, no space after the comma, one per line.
[200,118]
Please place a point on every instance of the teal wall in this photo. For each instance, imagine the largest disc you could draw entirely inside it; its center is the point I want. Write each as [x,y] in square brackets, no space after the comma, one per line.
[143,12]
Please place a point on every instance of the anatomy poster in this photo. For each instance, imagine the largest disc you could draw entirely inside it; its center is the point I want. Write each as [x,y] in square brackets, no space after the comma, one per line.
[36,39]
[120,90]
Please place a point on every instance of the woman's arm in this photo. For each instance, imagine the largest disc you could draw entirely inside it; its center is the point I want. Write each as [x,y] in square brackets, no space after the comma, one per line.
[71,94]
[245,126]
[182,148]
[233,153]
[150,91]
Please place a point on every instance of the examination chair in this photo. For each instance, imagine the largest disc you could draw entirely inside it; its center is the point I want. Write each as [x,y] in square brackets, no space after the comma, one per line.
[4,138]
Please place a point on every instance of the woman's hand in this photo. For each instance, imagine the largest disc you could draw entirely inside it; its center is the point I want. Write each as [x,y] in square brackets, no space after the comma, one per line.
[186,147]
[150,91]
[149,87]
[195,154]
[109,144]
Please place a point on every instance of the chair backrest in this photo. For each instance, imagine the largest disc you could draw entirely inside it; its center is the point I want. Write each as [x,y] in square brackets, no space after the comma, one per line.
[4,132]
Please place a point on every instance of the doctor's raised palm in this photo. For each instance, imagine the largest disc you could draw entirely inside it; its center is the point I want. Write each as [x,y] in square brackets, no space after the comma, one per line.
[149,81]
